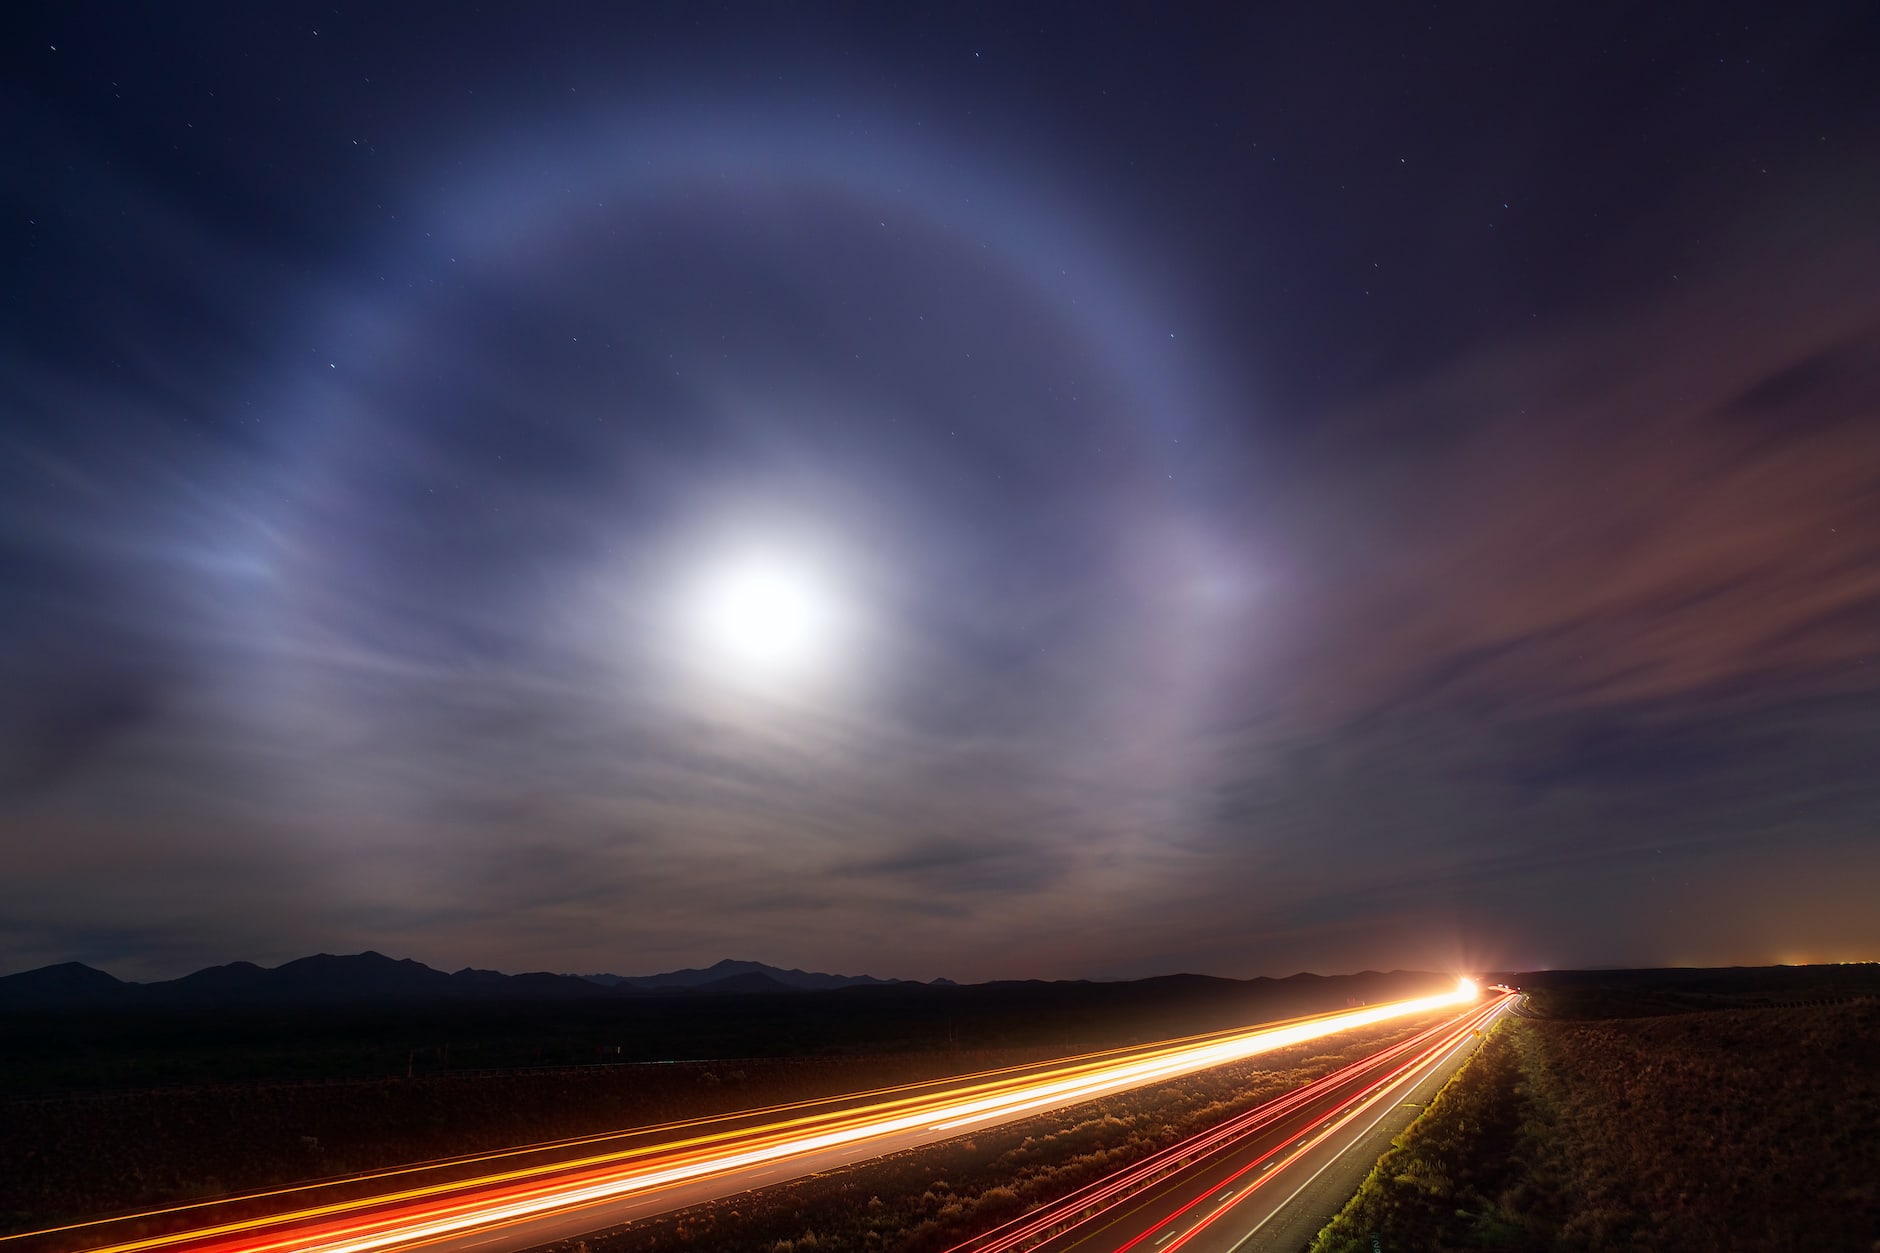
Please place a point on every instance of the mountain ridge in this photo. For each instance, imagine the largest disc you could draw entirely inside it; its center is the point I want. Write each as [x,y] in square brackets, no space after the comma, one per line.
[372,977]
[731,968]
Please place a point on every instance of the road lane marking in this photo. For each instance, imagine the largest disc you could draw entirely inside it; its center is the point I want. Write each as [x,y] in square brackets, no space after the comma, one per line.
[651,1172]
[1407,1078]
[1349,1145]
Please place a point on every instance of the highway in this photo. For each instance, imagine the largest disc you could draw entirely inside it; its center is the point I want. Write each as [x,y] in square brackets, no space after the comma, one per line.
[500,1203]
[1269,1178]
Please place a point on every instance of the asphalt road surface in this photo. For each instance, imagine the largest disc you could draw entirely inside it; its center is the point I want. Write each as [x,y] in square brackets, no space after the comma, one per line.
[1277,1186]
[505,1202]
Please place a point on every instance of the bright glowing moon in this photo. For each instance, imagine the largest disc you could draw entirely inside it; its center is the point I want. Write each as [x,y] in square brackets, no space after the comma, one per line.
[767,617]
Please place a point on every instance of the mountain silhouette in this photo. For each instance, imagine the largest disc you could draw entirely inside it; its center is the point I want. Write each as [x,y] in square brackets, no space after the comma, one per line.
[321,979]
[728,969]
[372,977]
[66,984]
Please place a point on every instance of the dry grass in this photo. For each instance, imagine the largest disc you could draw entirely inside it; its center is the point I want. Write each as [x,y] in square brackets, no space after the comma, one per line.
[1441,1187]
[1739,1129]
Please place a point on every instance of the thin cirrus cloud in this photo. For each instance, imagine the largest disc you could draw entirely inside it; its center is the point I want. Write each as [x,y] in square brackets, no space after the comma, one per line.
[347,570]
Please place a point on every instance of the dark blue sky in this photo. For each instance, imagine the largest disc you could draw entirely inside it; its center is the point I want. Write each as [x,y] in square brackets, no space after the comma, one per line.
[1376,486]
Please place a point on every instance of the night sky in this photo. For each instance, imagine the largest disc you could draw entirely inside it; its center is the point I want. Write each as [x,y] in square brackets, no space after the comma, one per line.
[994,491]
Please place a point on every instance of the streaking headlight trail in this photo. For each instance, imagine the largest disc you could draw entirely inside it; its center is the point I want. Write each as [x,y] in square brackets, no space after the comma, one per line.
[415,1215]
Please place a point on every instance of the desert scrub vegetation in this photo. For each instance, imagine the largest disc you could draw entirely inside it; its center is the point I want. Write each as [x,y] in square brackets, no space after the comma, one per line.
[932,1198]
[1732,1129]
[1440,1185]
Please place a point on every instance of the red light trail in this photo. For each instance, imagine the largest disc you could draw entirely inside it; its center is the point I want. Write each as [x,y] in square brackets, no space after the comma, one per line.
[586,1192]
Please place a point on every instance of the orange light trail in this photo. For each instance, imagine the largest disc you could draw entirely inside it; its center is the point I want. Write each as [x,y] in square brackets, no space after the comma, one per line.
[1346,1112]
[1094,1198]
[415,1215]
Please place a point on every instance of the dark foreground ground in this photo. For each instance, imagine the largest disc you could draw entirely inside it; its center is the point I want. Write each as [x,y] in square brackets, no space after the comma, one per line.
[109,1111]
[47,1053]
[1671,1121]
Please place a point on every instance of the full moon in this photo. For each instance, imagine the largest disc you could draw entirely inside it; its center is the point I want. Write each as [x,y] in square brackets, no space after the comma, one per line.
[766,617]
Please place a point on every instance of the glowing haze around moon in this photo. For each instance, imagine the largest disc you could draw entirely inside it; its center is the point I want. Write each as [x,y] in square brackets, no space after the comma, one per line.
[632,487]
[765,617]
